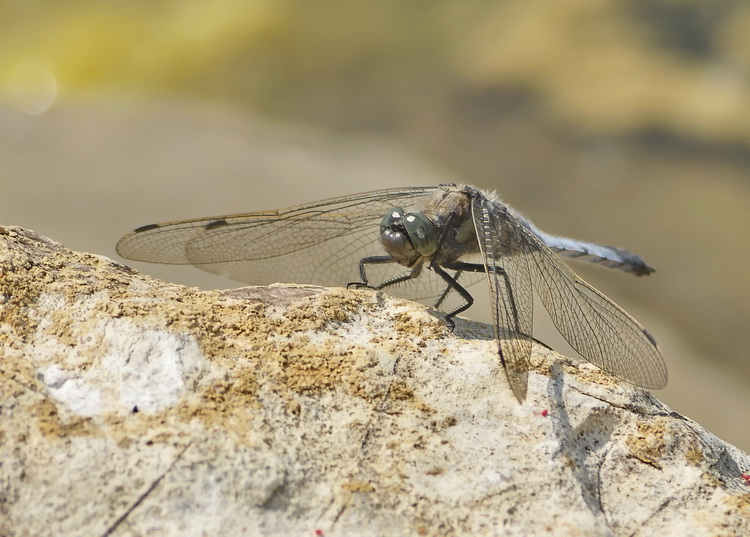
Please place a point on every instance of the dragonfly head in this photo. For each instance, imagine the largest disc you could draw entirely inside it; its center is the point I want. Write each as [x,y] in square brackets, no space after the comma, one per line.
[408,236]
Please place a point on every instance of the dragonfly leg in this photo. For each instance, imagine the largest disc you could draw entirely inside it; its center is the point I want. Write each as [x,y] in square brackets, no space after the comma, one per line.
[476,267]
[447,290]
[453,284]
[371,260]
[470,267]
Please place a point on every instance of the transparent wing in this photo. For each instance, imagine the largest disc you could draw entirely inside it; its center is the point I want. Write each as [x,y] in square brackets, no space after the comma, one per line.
[320,243]
[597,328]
[506,263]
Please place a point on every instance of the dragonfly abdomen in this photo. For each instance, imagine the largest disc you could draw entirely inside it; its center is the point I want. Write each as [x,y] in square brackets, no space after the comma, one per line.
[607,256]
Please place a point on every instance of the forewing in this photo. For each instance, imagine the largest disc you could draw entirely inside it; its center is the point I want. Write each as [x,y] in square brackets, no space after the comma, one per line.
[510,283]
[601,331]
[319,243]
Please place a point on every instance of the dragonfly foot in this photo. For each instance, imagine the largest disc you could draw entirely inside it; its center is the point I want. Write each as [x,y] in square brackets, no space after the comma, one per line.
[359,285]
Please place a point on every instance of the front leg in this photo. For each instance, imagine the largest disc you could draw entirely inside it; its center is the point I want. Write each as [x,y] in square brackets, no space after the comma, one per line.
[370,260]
[380,260]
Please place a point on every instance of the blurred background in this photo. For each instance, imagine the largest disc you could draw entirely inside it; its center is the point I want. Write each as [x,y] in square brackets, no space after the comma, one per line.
[626,123]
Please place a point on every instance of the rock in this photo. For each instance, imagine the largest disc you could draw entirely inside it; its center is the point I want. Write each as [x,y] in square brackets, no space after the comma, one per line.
[131,406]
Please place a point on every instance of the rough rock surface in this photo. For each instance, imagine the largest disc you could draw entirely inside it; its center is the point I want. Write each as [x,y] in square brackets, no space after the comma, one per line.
[131,406]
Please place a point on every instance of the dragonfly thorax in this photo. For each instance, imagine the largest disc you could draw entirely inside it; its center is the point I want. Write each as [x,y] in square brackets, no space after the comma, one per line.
[407,237]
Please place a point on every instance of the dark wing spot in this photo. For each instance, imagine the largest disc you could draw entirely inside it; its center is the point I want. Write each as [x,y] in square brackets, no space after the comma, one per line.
[147,228]
[650,337]
[215,223]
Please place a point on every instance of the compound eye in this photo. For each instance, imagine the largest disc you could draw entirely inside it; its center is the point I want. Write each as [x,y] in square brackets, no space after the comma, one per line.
[422,233]
[391,217]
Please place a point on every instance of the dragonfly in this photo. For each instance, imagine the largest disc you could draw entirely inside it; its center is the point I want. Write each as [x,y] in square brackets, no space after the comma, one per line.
[426,244]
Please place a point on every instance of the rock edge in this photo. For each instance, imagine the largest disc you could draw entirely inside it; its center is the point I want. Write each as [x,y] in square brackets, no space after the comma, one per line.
[131,406]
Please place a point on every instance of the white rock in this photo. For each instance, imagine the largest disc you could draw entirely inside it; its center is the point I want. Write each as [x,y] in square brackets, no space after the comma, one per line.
[292,410]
